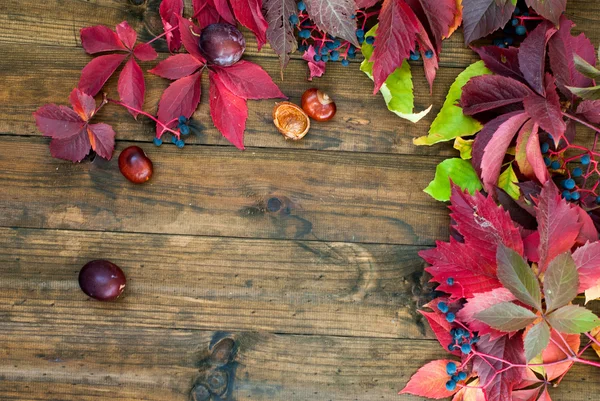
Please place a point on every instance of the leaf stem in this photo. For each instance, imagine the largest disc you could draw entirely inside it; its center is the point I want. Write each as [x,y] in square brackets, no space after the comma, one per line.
[150,116]
[579,120]
[163,34]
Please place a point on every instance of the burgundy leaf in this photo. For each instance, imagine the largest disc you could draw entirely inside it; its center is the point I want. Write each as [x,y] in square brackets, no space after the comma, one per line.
[532,55]
[181,98]
[495,150]
[248,81]
[95,74]
[316,68]
[224,10]
[205,12]
[280,33]
[190,42]
[335,17]
[501,61]
[365,3]
[535,158]
[438,323]
[102,138]
[430,65]
[480,302]
[73,149]
[587,260]
[127,35]
[590,110]
[131,86]
[170,11]
[99,38]
[228,111]
[489,92]
[549,9]
[58,122]
[396,35]
[84,105]
[249,14]
[521,150]
[482,17]
[532,245]
[547,111]
[145,52]
[588,232]
[440,16]
[177,66]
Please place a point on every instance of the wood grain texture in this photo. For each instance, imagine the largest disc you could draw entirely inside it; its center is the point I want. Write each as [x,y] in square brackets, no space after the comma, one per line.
[219,191]
[298,287]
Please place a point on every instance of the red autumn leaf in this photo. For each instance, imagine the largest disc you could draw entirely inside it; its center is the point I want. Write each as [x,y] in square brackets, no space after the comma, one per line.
[482,17]
[430,65]
[249,14]
[315,68]
[170,11]
[280,32]
[532,55]
[549,9]
[480,302]
[430,381]
[248,81]
[205,12]
[531,243]
[228,111]
[489,92]
[181,98]
[494,152]
[99,38]
[131,86]
[126,34]
[587,260]
[590,110]
[95,74]
[190,42]
[545,396]
[499,387]
[396,35]
[552,353]
[177,66]
[534,156]
[365,3]
[501,61]
[144,52]
[224,10]
[526,395]
[438,323]
[335,17]
[546,111]
[558,224]
[72,135]
[437,16]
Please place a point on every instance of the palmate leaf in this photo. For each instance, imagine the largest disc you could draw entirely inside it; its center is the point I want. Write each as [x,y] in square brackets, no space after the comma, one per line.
[506,316]
[480,302]
[430,381]
[573,319]
[280,32]
[561,282]
[536,340]
[460,172]
[481,17]
[516,275]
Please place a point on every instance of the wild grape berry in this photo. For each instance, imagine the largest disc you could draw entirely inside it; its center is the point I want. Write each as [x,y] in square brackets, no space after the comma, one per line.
[428,54]
[294,19]
[453,332]
[301,6]
[452,347]
[460,332]
[517,11]
[443,307]
[330,45]
[325,58]
[345,63]
[575,196]
[462,375]
[304,34]
[184,130]
[521,30]
[324,51]
[569,183]
[598,200]
[450,317]
[317,58]
[450,281]
[454,378]
[555,165]
[414,56]
[180,144]
[514,22]
[158,141]
[498,42]
[465,348]
[585,159]
[547,161]
[335,55]
[450,385]
[173,139]
[360,33]
[370,40]
[451,368]
[566,194]
[577,172]
[302,48]
[182,120]
[545,147]
[508,41]
[222,44]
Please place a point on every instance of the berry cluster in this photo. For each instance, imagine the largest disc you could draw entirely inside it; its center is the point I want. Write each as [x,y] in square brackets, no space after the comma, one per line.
[519,25]
[455,376]
[184,129]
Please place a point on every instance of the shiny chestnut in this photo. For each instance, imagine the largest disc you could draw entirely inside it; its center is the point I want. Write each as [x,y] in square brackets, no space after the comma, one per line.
[291,120]
[135,165]
[102,280]
[318,105]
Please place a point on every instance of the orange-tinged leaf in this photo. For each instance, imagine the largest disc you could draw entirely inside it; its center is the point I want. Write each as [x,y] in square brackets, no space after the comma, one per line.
[430,381]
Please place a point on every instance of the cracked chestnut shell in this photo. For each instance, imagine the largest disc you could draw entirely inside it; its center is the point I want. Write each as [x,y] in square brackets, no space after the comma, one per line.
[318,105]
[291,120]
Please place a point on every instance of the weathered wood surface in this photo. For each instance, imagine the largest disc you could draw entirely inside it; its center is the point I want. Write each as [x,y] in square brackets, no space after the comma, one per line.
[305,254]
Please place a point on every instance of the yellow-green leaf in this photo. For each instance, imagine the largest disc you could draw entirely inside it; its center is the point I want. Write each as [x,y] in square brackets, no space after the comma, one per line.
[397,90]
[450,121]
[464,146]
[460,171]
[508,182]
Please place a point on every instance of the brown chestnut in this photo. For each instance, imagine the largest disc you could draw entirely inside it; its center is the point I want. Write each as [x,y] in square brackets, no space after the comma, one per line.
[291,120]
[318,105]
[135,165]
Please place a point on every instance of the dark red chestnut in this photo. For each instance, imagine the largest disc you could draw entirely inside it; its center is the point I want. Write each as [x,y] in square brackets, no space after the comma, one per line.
[102,280]
[222,44]
[318,105]
[135,165]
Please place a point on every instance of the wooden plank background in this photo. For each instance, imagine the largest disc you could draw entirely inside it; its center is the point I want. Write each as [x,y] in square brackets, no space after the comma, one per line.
[319,293]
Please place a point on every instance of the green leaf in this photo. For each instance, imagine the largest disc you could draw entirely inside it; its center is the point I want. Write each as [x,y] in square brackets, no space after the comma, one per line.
[573,319]
[460,171]
[508,182]
[464,146]
[561,282]
[450,121]
[536,340]
[586,68]
[397,90]
[506,316]
[515,274]
[591,93]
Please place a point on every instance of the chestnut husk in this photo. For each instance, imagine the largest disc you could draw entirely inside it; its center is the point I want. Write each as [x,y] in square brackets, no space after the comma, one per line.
[291,120]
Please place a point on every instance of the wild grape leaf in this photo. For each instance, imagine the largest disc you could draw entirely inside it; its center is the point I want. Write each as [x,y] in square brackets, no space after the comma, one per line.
[516,275]
[438,323]
[472,392]
[95,74]
[396,35]
[430,64]
[527,394]
[439,17]
[592,294]
[546,111]
[558,224]
[480,302]
[590,110]
[536,340]
[181,98]
[494,152]
[549,9]
[489,92]
[506,317]
[126,34]
[190,42]
[99,38]
[131,86]
[596,334]
[458,171]
[366,3]
[573,319]
[177,66]
[248,81]
[532,56]
[591,93]
[249,14]
[561,282]
[588,232]
[586,68]
[499,386]
[170,11]
[228,111]
[501,61]
[507,183]
[534,156]
[72,134]
[280,32]
[206,13]
[553,354]
[587,261]
[224,10]
[525,166]
[464,146]
[430,381]
[144,52]
[545,396]
[335,17]
[482,17]
[315,68]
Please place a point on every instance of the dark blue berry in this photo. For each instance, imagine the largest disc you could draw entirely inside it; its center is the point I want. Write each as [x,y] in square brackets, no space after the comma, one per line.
[498,42]
[502,46]
[443,307]
[598,200]
[352,49]
[182,120]
[360,33]
[521,30]
[453,332]
[462,375]
[575,196]
[577,172]
[585,159]
[545,147]
[465,348]
[414,56]
[294,19]
[337,43]
[353,16]
[566,194]
[370,40]
[335,55]
[179,143]
[452,347]
[330,45]
[450,385]
[514,22]
[157,141]
[317,57]
[324,50]
[325,58]
[301,6]
[526,14]
[184,130]
[302,48]
[508,41]
[451,368]
[304,34]
[173,139]
[555,165]
[450,281]
[569,183]
[345,62]
[450,317]
[517,11]
[428,54]
[351,55]
[361,40]
[460,332]
[547,161]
